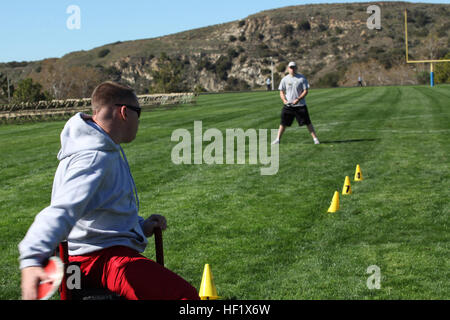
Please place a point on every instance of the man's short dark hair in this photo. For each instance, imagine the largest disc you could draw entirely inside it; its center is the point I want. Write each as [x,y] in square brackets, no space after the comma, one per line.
[109,93]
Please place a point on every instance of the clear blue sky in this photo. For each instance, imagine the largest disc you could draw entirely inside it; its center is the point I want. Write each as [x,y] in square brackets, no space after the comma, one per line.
[34,30]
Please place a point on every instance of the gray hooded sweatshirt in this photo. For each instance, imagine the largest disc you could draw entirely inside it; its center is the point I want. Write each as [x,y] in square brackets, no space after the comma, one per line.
[94,203]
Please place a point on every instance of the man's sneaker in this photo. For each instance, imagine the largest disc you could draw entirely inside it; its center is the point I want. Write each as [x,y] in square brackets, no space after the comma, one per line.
[316,141]
[276,141]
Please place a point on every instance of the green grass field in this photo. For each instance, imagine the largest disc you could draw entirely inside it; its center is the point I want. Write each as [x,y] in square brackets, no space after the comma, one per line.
[270,237]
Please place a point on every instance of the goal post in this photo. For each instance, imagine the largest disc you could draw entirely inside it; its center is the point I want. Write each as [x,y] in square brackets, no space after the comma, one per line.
[431,62]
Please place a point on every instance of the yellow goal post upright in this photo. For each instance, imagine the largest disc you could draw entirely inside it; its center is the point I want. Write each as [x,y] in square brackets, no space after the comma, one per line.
[420,61]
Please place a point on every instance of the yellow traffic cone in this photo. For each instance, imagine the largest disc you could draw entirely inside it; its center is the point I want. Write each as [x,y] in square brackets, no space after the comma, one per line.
[208,290]
[334,203]
[358,173]
[347,188]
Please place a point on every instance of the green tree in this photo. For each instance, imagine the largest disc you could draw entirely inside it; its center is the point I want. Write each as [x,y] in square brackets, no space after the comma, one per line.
[168,77]
[442,73]
[4,88]
[222,65]
[29,91]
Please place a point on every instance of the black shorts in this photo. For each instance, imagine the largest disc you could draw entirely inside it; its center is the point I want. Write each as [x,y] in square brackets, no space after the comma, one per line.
[300,113]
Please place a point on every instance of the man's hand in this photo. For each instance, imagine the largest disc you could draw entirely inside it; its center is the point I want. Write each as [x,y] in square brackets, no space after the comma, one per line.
[155,220]
[31,277]
[283,97]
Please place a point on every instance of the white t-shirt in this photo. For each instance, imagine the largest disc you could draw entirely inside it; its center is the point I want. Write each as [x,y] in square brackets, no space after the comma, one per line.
[293,86]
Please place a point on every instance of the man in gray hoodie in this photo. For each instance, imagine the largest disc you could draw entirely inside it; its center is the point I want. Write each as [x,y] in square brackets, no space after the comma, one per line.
[94,205]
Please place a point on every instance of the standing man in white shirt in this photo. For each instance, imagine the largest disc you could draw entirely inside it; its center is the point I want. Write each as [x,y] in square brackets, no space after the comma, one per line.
[268,84]
[293,90]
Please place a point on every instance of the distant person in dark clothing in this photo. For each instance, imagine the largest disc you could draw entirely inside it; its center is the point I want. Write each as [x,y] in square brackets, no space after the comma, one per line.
[360,81]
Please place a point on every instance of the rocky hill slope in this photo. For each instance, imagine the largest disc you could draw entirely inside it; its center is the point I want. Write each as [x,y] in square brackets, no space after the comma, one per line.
[330,42]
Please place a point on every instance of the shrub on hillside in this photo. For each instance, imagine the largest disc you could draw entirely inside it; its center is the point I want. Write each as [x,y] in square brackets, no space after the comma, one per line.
[168,77]
[329,80]
[443,70]
[287,30]
[103,53]
[294,43]
[263,51]
[282,67]
[386,58]
[304,26]
[222,65]
[423,77]
[322,27]
[199,89]
[419,18]
[234,84]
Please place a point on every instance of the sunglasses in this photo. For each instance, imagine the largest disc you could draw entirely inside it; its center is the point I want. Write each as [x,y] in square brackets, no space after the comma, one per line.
[137,109]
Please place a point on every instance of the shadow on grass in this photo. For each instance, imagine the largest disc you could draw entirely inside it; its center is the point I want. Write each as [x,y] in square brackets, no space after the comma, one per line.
[349,141]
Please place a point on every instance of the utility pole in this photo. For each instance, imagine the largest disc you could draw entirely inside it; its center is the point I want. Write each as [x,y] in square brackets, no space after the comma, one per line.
[9,94]
[271,65]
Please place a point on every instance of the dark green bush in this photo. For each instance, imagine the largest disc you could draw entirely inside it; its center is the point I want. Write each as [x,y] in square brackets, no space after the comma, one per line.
[287,30]
[222,65]
[234,84]
[329,80]
[423,77]
[322,27]
[304,26]
[103,53]
[281,67]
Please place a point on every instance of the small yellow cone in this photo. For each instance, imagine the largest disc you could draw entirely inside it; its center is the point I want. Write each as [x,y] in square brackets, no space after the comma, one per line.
[358,173]
[208,290]
[334,203]
[347,188]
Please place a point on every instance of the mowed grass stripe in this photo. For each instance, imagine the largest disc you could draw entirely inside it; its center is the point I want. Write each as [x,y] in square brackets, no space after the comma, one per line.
[270,237]
[346,231]
[323,185]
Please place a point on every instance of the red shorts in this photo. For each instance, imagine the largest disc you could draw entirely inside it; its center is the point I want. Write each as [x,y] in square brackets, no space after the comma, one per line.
[129,274]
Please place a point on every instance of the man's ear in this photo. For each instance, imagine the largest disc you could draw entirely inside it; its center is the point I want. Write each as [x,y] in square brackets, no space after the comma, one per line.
[123,112]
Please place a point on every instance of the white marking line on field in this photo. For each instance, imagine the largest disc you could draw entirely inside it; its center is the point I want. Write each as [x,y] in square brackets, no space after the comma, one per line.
[402,131]
[393,118]
[418,116]
[389,131]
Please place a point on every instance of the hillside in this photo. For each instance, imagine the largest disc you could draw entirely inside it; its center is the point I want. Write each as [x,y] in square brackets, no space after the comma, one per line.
[330,42]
